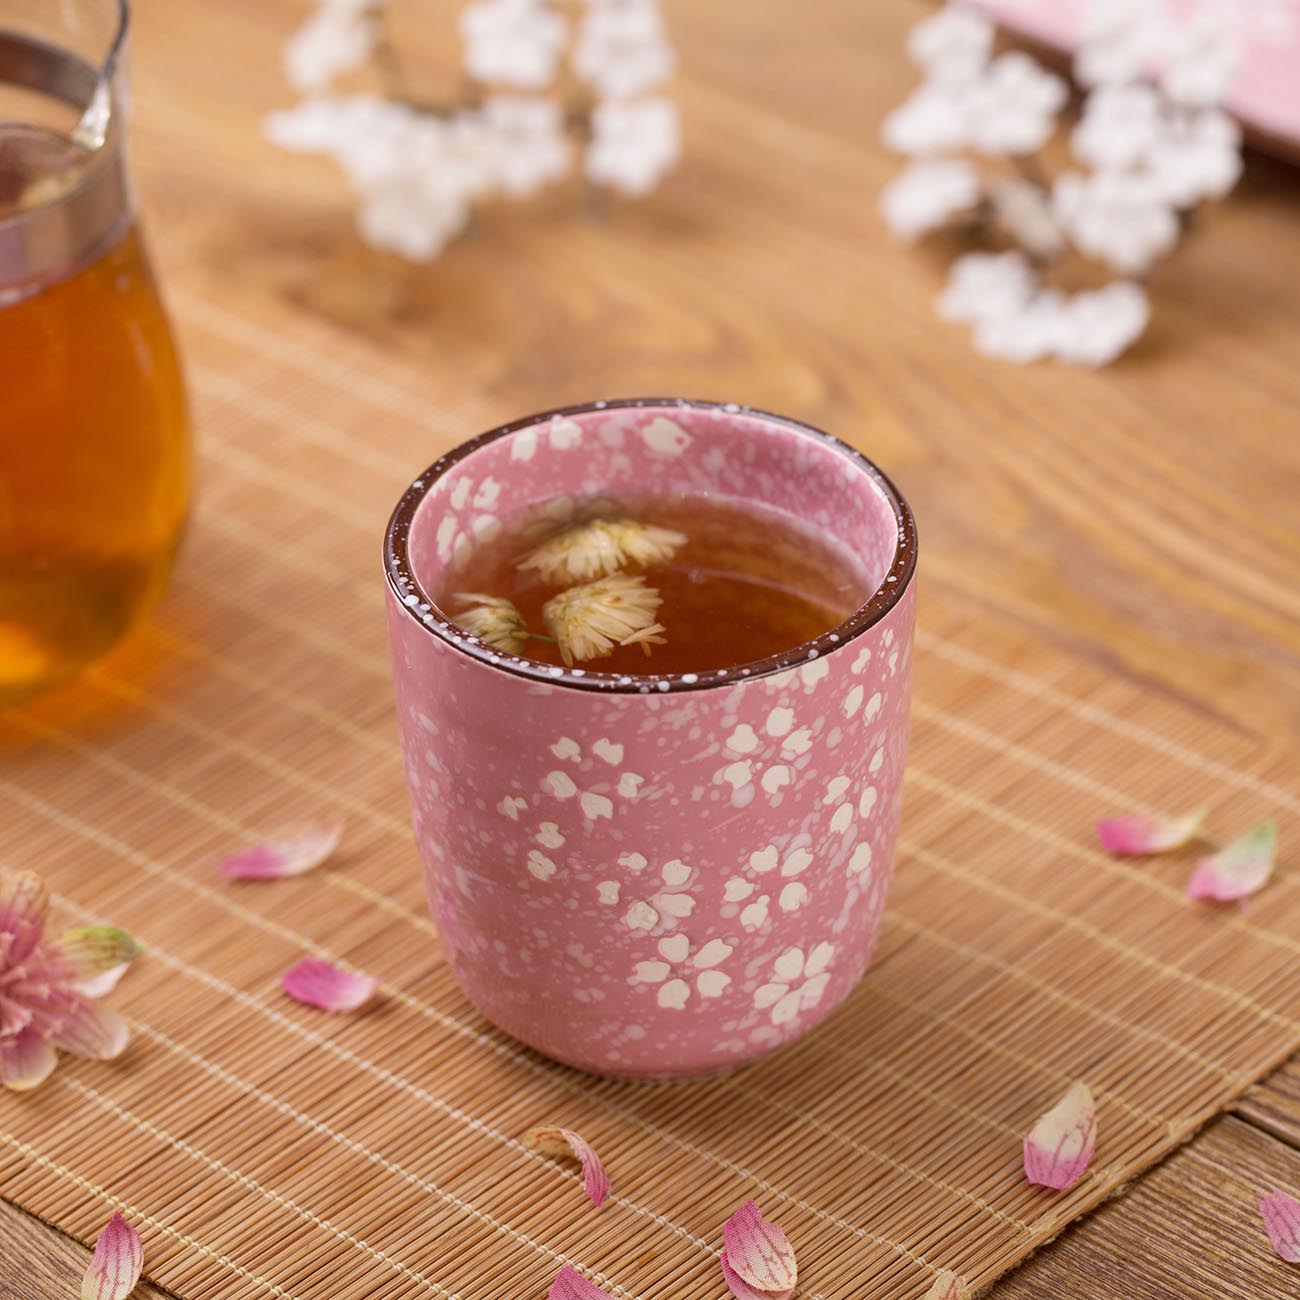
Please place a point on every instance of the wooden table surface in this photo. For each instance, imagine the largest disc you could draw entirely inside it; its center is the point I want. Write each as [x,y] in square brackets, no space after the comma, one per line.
[1145,515]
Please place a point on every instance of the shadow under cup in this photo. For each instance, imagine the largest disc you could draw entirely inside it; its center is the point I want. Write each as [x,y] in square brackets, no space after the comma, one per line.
[660,876]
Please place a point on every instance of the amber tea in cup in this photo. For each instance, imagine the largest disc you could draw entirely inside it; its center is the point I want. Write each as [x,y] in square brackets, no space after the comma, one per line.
[702,582]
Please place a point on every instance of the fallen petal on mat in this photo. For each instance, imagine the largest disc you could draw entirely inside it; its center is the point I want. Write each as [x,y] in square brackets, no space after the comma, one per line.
[551,1140]
[93,1031]
[571,1285]
[1140,836]
[99,955]
[758,1252]
[742,1290]
[319,984]
[288,854]
[1059,1147]
[1238,869]
[1282,1223]
[948,1286]
[24,902]
[116,1264]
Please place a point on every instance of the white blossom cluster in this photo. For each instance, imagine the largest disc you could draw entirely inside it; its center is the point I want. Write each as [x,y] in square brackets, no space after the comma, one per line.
[1152,142]
[417,173]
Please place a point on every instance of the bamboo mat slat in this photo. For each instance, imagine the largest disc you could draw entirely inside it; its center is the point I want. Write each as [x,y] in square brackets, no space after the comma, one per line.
[269,1151]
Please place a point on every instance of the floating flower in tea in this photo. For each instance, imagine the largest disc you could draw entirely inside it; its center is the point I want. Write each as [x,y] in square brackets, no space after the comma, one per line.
[588,621]
[600,547]
[495,621]
[733,584]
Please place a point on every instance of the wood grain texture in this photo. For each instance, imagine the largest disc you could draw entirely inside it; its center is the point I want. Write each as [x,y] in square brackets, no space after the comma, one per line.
[1188,1229]
[39,1263]
[1274,1105]
[1143,516]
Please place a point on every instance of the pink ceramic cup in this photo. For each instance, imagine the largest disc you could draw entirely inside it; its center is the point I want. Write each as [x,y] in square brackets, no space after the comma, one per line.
[655,877]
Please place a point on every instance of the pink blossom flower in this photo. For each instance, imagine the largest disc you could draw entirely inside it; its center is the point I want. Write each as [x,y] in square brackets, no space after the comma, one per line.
[48,987]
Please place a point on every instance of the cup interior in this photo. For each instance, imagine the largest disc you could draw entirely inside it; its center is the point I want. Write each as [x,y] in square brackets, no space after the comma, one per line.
[650,446]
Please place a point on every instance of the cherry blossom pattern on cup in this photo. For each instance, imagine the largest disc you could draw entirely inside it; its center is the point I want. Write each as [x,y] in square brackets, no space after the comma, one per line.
[654,912]
[764,759]
[797,982]
[769,880]
[683,969]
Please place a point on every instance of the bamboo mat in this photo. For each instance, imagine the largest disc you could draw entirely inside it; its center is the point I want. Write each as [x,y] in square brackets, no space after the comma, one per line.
[266,1150]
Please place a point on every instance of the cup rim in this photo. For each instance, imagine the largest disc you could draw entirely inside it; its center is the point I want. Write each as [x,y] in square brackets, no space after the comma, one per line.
[412,599]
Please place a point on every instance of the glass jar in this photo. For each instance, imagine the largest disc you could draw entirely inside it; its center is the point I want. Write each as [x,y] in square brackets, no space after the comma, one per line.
[94,437]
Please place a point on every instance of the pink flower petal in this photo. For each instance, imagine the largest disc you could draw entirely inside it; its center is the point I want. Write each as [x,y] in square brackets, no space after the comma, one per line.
[571,1285]
[1282,1223]
[1059,1147]
[319,984]
[553,1141]
[1238,869]
[1142,836]
[26,1059]
[116,1264]
[742,1290]
[99,956]
[290,854]
[948,1286]
[24,901]
[757,1251]
[89,1029]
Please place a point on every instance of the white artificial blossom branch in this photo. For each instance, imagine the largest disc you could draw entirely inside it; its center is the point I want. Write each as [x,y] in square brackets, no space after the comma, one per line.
[1152,142]
[418,169]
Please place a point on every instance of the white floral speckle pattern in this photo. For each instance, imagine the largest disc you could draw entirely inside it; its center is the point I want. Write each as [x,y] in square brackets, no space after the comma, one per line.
[548,836]
[798,982]
[860,859]
[656,884]
[596,805]
[678,967]
[669,905]
[561,785]
[666,437]
[540,865]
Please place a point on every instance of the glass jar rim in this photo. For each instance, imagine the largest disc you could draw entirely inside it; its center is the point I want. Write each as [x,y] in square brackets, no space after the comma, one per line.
[63,231]
[414,601]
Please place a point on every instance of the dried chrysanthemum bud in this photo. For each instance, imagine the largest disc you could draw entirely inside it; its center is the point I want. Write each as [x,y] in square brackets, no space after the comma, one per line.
[494,620]
[597,548]
[590,620]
